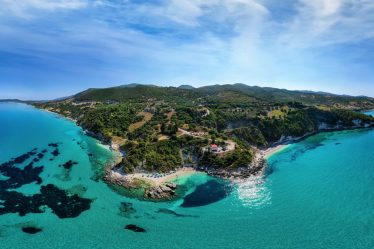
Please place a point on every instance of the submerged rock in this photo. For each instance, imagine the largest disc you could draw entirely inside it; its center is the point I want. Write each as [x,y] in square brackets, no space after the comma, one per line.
[69,164]
[135,228]
[126,209]
[64,205]
[20,159]
[207,193]
[171,212]
[56,152]
[18,176]
[31,230]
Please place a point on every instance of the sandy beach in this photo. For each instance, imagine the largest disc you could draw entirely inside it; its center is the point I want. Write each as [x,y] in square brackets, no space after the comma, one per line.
[272,150]
[151,178]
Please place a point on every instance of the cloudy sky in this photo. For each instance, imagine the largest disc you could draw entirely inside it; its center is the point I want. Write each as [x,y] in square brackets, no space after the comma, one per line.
[50,49]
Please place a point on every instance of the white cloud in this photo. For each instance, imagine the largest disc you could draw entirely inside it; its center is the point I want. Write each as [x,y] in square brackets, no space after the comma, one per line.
[25,8]
[244,21]
[225,40]
[329,22]
[195,12]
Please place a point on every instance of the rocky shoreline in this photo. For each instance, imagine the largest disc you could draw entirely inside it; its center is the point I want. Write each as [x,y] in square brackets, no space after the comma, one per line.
[164,192]
[167,190]
[257,168]
[147,189]
[260,161]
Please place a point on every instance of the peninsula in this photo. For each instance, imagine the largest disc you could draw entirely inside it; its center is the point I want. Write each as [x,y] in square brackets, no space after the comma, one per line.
[161,133]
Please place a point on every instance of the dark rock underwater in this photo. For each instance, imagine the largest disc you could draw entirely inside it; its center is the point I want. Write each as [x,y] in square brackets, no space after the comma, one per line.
[135,228]
[31,230]
[207,193]
[61,202]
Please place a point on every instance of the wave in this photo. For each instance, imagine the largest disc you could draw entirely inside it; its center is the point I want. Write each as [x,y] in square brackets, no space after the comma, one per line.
[254,192]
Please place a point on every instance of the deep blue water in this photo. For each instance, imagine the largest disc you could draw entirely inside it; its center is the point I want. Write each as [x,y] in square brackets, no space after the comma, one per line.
[318,194]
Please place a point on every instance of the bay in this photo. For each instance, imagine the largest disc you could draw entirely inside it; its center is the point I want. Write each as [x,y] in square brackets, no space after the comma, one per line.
[317,194]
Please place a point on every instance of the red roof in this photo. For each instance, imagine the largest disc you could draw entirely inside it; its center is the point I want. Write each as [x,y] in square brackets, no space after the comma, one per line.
[213,146]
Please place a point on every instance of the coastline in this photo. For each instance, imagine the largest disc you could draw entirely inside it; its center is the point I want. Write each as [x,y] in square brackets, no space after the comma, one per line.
[271,151]
[282,145]
[158,186]
[259,164]
[146,186]
[153,180]
[148,181]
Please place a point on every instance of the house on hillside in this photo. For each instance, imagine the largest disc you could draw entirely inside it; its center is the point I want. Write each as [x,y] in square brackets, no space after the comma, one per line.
[221,149]
[214,148]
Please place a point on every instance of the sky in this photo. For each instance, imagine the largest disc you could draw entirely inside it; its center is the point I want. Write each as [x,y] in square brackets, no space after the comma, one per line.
[51,49]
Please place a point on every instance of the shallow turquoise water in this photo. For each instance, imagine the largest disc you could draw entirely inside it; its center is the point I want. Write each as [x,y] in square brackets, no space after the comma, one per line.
[318,194]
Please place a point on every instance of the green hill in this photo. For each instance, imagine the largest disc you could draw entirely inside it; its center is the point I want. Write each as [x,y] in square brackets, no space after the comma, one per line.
[161,128]
[222,93]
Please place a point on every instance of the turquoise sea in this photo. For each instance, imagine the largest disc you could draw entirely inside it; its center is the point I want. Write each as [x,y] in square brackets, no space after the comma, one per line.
[318,193]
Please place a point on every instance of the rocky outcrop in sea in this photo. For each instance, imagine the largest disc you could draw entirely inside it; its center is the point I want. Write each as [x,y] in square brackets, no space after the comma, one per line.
[161,192]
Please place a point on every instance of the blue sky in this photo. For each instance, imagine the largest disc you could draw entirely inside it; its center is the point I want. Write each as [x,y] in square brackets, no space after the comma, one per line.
[50,49]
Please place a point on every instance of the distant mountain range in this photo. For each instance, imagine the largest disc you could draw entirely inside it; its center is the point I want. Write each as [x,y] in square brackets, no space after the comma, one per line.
[10,100]
[216,93]
[220,93]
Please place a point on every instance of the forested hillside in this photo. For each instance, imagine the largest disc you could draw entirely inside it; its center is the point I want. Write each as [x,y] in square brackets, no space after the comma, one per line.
[162,128]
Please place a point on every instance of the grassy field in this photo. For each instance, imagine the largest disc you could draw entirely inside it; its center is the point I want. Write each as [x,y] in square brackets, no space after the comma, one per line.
[146,117]
[276,113]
